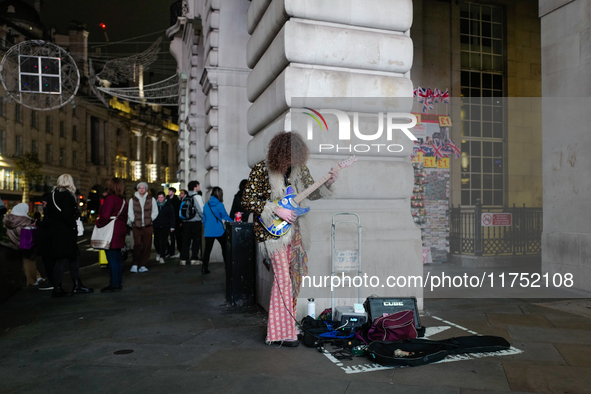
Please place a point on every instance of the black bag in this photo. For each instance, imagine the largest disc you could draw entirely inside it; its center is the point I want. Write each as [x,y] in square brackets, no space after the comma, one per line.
[377,306]
[415,352]
[188,210]
[311,330]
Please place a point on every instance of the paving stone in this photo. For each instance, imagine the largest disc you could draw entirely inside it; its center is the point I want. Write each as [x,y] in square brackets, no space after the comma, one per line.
[512,319]
[575,355]
[182,381]
[550,335]
[475,374]
[536,353]
[225,337]
[161,333]
[90,379]
[381,388]
[569,321]
[15,376]
[470,391]
[548,379]
[288,385]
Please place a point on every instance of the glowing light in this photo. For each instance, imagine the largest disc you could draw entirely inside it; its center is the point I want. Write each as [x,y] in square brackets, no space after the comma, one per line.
[103,26]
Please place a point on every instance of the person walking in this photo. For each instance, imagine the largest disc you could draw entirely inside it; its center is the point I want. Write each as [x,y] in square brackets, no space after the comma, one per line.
[14,222]
[192,206]
[237,203]
[176,204]
[141,214]
[61,213]
[114,206]
[214,213]
[163,226]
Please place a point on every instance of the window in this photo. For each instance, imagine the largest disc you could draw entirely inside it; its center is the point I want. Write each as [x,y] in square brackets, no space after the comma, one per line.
[18,145]
[62,157]
[74,133]
[62,129]
[95,141]
[73,111]
[74,159]
[34,147]
[164,154]
[48,124]
[34,119]
[2,142]
[1,106]
[18,113]
[48,154]
[483,109]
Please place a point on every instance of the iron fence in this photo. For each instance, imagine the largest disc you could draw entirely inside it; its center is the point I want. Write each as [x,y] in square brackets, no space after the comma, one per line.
[469,236]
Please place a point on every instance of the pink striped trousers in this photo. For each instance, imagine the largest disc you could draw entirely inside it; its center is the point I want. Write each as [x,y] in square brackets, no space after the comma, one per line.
[281,324]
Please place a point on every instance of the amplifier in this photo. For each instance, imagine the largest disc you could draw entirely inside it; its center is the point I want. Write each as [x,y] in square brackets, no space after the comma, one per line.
[377,306]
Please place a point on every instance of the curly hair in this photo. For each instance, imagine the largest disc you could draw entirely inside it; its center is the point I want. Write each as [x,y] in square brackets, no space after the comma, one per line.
[286,149]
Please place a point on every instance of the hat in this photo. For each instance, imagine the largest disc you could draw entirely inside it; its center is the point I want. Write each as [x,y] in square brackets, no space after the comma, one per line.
[21,209]
[144,184]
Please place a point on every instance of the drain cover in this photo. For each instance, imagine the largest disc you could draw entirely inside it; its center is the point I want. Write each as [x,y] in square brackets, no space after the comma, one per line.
[123,351]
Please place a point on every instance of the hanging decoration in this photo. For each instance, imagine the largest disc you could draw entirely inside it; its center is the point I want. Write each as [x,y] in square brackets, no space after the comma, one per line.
[429,97]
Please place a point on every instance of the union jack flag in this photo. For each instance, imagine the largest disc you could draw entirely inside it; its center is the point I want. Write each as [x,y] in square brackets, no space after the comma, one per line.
[454,149]
[426,149]
[445,96]
[437,95]
[438,150]
[414,92]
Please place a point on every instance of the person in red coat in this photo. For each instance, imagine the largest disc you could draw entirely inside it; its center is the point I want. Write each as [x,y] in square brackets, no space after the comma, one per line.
[113,206]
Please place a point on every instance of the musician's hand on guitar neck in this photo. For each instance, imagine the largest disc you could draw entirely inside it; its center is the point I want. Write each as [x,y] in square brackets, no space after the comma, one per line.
[334,175]
[285,214]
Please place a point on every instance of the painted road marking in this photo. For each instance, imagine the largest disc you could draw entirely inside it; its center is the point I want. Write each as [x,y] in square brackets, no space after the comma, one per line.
[429,332]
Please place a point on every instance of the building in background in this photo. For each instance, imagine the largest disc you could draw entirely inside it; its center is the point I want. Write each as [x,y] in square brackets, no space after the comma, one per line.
[84,138]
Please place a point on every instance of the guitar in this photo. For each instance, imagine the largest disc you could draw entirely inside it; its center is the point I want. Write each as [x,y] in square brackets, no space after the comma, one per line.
[291,201]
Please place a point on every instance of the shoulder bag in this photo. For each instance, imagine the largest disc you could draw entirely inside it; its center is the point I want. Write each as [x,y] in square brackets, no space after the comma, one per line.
[101,237]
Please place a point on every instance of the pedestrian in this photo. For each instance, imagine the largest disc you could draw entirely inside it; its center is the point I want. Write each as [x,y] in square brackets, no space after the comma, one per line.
[214,213]
[114,206]
[176,204]
[237,203]
[163,226]
[141,214]
[285,165]
[44,249]
[14,223]
[61,213]
[192,205]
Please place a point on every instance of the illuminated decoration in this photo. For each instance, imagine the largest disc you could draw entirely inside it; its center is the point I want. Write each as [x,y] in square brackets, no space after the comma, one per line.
[39,75]
[124,69]
[152,171]
[137,170]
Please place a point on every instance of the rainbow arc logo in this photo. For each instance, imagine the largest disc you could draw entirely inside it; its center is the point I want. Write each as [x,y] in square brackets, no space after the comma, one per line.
[315,118]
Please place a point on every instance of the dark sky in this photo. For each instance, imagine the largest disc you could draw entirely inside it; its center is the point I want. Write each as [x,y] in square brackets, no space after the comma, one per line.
[125,19]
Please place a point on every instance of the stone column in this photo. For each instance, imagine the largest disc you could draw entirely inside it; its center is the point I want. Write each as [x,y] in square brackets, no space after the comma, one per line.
[339,49]
[566,88]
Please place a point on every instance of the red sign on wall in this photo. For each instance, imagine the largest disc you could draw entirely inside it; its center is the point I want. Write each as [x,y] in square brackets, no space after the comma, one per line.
[496,219]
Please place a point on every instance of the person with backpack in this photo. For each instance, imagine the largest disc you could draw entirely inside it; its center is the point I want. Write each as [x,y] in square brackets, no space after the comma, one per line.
[163,225]
[191,212]
[141,214]
[214,213]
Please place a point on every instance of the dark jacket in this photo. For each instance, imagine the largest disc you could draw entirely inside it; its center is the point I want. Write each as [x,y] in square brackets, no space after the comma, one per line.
[237,207]
[110,208]
[165,218]
[61,231]
[213,214]
[176,206]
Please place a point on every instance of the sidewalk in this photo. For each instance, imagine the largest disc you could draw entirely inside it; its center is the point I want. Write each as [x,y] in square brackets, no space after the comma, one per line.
[184,338]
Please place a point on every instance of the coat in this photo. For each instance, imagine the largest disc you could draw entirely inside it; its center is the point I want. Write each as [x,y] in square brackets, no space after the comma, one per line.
[60,227]
[14,224]
[111,207]
[176,205]
[165,218]
[213,214]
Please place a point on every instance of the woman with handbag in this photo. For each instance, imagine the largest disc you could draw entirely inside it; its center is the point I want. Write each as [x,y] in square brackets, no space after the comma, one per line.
[14,222]
[61,215]
[213,215]
[114,208]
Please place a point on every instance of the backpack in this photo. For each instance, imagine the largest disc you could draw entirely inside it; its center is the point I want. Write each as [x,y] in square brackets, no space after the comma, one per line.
[188,210]
[394,327]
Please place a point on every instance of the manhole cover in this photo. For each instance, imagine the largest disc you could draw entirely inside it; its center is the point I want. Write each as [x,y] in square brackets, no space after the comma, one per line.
[123,351]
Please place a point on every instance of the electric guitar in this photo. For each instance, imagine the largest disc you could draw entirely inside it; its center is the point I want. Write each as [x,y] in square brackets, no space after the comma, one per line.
[280,227]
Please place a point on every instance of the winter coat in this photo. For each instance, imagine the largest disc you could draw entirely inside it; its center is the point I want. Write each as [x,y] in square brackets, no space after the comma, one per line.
[176,206]
[14,224]
[165,218]
[61,232]
[111,207]
[142,201]
[237,207]
[213,214]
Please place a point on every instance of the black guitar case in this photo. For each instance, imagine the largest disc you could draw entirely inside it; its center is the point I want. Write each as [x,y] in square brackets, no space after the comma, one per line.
[424,351]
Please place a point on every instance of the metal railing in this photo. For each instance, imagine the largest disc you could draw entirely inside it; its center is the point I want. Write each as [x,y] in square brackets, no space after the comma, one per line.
[469,236]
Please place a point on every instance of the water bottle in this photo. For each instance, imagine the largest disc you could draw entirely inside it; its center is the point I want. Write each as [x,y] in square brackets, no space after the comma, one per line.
[311,308]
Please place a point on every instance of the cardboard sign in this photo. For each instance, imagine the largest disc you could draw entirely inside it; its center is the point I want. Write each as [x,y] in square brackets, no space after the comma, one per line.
[346,260]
